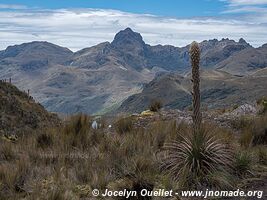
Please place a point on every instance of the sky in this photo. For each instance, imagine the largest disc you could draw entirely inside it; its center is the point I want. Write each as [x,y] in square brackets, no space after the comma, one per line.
[78,24]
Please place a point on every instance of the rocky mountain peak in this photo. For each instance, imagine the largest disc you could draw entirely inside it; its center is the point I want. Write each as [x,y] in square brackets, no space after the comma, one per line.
[242,41]
[128,38]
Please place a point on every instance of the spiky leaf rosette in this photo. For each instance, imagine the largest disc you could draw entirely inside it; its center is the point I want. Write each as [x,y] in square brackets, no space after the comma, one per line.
[195,60]
[195,157]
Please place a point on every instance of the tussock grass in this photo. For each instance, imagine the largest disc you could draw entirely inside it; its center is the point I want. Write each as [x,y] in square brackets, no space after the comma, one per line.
[44,140]
[124,125]
[70,161]
[243,163]
[7,151]
[254,132]
[155,106]
[262,102]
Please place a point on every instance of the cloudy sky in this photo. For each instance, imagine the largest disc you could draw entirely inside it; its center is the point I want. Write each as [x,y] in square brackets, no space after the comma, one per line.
[77,24]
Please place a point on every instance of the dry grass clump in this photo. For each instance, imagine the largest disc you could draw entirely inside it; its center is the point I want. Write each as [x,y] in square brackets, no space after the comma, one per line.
[13,178]
[241,123]
[124,125]
[255,132]
[260,153]
[262,102]
[136,175]
[7,151]
[155,106]
[70,161]
[78,132]
[44,140]
[243,163]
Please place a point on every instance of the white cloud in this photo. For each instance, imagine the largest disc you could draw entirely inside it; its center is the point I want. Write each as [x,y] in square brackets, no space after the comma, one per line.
[246,6]
[12,6]
[80,28]
[246,2]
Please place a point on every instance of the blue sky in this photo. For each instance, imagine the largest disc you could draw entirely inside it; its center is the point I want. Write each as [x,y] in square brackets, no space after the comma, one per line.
[78,24]
[178,8]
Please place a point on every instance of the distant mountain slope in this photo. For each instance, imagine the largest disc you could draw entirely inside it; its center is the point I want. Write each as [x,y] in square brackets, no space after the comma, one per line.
[245,61]
[34,55]
[218,90]
[19,115]
[98,79]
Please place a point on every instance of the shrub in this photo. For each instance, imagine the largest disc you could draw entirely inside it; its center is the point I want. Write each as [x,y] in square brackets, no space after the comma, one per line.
[155,106]
[192,159]
[124,125]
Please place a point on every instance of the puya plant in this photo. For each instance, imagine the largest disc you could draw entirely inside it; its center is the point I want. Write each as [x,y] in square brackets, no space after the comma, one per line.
[195,60]
[197,157]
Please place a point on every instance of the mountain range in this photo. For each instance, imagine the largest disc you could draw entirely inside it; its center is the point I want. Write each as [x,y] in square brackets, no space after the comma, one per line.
[110,76]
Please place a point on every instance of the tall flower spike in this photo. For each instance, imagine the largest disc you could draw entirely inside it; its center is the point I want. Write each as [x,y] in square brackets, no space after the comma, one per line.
[195,60]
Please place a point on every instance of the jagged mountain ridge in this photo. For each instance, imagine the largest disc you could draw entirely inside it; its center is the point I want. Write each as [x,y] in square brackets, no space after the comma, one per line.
[129,50]
[99,78]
